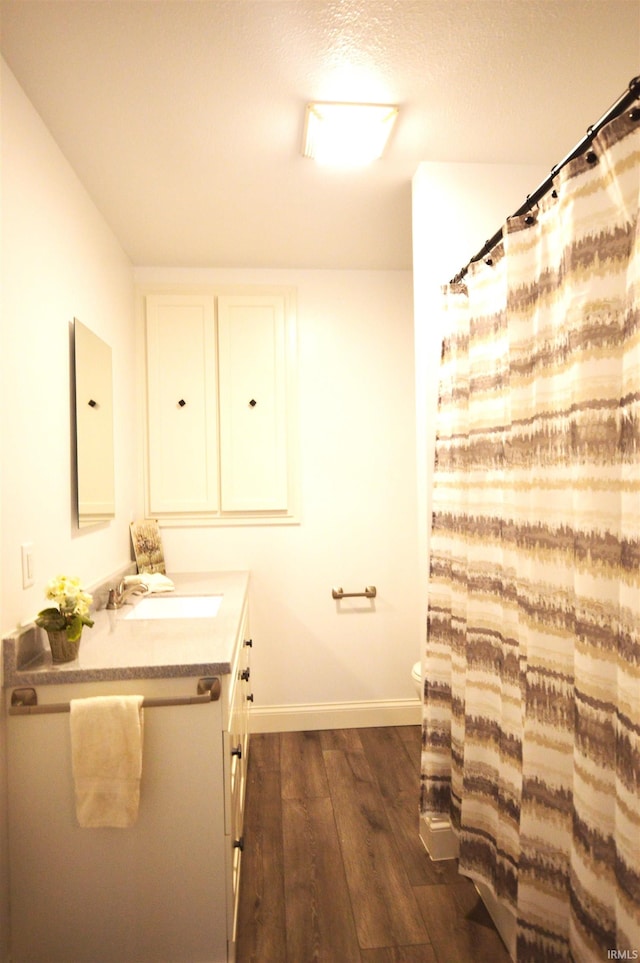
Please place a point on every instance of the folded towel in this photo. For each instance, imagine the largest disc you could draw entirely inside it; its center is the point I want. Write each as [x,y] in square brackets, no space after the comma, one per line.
[153,581]
[106,757]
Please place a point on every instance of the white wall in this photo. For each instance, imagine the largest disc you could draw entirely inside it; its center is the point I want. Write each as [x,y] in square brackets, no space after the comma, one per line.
[357,417]
[59,260]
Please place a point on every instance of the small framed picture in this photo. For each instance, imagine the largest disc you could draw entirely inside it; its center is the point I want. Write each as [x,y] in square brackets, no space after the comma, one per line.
[147,546]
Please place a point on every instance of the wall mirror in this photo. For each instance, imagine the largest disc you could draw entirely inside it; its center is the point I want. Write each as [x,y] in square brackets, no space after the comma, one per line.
[94,427]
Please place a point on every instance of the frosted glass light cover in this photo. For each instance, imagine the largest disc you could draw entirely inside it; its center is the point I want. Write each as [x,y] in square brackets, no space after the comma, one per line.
[347,134]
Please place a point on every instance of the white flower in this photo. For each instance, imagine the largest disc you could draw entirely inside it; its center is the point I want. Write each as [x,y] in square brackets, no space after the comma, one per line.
[72,611]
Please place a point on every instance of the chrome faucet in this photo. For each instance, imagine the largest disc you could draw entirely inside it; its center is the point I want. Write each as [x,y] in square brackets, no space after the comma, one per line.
[119,595]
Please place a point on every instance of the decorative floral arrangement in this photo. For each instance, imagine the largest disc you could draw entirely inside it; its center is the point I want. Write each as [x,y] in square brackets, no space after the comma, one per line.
[72,607]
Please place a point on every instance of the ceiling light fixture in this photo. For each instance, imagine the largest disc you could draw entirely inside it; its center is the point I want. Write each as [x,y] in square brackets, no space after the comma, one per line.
[347,135]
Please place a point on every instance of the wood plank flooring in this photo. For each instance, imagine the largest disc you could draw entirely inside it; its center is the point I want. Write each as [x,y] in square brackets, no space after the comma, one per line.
[333,870]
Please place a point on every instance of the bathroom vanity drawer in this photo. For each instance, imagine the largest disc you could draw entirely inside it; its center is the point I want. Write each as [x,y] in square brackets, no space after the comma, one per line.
[236,749]
[237,730]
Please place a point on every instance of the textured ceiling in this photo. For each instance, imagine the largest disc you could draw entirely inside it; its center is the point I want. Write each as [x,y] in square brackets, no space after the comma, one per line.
[184,119]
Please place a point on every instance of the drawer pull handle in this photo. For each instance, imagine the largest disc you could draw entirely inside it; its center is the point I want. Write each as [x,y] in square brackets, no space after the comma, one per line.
[239,843]
[244,675]
[250,697]
[237,752]
[249,643]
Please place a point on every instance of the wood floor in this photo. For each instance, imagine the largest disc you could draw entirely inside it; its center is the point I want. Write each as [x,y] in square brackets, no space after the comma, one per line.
[333,870]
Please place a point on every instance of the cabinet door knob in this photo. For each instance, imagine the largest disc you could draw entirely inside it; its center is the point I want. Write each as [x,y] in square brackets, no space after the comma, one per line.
[249,643]
[239,843]
[237,752]
[250,697]
[244,675]
[181,403]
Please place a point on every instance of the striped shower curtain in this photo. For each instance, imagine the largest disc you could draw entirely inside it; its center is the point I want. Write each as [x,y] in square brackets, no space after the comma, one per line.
[531,727]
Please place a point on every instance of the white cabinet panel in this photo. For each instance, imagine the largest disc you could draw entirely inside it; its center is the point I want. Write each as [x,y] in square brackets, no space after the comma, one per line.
[253,403]
[236,745]
[182,418]
[153,893]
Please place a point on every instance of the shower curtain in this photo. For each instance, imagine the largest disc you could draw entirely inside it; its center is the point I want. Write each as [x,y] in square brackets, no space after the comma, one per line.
[531,724]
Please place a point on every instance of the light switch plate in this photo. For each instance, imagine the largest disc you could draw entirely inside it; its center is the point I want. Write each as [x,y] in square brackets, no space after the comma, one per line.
[28,577]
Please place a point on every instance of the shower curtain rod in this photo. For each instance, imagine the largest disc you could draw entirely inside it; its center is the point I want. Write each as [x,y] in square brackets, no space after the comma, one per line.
[625,100]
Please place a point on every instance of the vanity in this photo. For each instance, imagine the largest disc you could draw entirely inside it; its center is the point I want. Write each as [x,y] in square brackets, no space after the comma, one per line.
[166,889]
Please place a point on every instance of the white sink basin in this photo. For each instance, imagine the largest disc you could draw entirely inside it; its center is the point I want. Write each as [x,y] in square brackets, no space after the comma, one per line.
[176,607]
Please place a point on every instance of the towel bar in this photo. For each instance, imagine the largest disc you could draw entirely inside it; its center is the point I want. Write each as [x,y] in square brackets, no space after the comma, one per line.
[369,593]
[24,702]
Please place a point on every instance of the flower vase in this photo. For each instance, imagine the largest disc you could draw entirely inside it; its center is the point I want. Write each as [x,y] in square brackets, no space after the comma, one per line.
[62,648]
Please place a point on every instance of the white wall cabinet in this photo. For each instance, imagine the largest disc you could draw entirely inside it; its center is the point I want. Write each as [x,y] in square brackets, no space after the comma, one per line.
[221,406]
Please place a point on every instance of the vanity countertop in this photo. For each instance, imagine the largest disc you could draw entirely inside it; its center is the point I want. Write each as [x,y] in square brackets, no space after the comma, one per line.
[120,648]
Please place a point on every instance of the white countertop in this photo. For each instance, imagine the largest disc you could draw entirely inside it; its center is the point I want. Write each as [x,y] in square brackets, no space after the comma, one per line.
[121,648]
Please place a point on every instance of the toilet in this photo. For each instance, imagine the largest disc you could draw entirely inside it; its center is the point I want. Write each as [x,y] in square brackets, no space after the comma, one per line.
[416,677]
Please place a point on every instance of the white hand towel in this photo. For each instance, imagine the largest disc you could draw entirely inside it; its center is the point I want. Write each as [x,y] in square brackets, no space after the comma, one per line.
[106,756]
[153,582]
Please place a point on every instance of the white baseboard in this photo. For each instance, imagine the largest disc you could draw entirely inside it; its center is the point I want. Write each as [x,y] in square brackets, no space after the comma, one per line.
[335,715]
[438,837]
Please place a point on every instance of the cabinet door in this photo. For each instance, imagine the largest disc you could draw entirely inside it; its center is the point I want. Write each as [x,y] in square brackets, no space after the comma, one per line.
[253,403]
[181,380]
[154,892]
